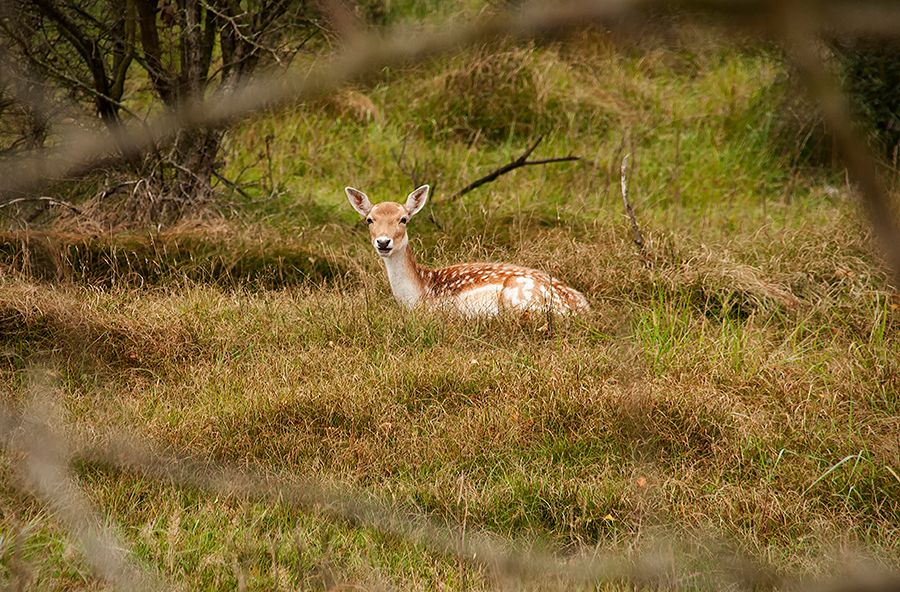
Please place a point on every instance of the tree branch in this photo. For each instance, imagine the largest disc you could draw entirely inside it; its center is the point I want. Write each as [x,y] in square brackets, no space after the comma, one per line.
[123,53]
[521,161]
[104,100]
[48,200]
[162,78]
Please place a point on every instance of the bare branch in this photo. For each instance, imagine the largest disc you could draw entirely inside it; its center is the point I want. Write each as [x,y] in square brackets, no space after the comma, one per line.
[104,100]
[49,200]
[521,161]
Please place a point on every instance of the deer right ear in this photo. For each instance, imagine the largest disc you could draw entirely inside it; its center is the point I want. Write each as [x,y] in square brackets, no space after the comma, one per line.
[359,201]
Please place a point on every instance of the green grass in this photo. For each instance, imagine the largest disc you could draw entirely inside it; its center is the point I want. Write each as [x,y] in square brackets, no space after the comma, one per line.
[737,381]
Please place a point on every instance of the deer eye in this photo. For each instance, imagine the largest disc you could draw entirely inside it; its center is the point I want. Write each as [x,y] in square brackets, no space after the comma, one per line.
[403,220]
[369,220]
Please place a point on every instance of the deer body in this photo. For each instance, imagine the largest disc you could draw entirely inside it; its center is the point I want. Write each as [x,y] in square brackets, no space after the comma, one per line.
[473,289]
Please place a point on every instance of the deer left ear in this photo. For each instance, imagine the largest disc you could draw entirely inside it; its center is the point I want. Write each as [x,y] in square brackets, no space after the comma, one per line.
[416,200]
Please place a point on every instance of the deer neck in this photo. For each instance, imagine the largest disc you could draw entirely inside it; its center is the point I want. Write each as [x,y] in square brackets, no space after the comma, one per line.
[405,277]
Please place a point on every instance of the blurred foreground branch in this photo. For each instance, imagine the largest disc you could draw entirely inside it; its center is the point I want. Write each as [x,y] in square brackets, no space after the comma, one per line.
[796,25]
[46,465]
[368,56]
[362,60]
[44,470]
[46,454]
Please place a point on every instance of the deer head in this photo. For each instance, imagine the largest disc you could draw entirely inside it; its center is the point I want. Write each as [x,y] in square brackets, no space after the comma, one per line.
[387,220]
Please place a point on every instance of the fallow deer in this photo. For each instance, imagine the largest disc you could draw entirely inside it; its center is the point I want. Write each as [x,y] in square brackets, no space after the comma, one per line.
[473,289]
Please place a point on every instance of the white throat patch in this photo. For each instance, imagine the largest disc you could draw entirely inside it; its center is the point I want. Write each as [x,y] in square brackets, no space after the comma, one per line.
[405,285]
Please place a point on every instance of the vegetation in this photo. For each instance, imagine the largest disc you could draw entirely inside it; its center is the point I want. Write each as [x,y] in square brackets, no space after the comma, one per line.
[183,51]
[736,380]
[871,71]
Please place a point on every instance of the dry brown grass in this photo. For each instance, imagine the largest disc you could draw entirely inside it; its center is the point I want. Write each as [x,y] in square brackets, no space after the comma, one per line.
[706,392]
[252,258]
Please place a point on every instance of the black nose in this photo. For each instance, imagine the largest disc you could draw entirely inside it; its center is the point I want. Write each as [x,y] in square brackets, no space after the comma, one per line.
[383,243]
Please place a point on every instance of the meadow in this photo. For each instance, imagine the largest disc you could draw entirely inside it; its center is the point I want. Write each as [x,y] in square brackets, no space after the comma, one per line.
[736,380]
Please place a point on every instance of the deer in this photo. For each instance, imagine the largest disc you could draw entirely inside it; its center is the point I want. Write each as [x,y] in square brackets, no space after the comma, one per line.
[472,289]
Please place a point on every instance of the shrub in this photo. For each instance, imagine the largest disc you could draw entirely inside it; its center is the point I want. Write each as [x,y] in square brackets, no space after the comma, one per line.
[871,70]
[493,95]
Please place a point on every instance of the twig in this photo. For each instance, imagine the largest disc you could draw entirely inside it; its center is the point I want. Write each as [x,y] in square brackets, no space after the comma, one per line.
[50,200]
[521,161]
[416,176]
[113,188]
[411,172]
[232,185]
[637,237]
[269,138]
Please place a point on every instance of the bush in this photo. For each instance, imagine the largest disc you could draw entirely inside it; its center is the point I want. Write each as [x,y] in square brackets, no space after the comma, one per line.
[871,71]
[493,95]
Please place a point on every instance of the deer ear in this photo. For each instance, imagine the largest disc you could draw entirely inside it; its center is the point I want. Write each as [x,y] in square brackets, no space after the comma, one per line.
[416,200]
[359,201]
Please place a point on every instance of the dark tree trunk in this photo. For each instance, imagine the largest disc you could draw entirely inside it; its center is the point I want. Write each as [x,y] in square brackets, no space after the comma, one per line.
[195,155]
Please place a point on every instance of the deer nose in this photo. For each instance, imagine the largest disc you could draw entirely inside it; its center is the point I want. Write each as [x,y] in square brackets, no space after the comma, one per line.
[383,244]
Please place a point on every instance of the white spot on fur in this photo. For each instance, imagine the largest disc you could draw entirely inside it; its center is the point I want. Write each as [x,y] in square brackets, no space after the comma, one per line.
[479,301]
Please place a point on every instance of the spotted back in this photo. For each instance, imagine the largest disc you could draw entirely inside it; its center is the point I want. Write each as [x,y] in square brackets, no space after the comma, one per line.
[501,286]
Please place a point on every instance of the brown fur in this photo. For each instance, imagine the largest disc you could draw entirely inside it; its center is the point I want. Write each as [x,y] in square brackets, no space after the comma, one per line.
[477,288]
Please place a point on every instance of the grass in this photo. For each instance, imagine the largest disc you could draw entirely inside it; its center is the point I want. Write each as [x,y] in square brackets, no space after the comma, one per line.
[739,380]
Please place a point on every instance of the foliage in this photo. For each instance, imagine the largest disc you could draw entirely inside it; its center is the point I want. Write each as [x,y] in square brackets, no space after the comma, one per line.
[871,76]
[186,50]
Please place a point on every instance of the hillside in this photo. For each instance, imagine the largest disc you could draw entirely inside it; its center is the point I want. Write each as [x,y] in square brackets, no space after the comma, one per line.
[736,381]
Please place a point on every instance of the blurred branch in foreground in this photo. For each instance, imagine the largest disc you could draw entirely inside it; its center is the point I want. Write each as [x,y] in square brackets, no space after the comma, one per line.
[43,469]
[796,25]
[365,58]
[47,454]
